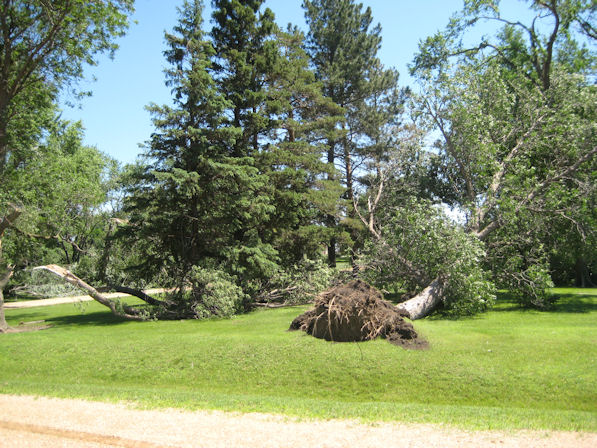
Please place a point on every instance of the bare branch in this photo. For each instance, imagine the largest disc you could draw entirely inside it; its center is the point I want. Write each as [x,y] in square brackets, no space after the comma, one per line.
[56,237]
[371,206]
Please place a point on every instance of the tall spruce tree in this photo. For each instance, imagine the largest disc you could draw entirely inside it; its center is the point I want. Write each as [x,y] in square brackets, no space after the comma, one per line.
[343,47]
[196,200]
[246,52]
[282,117]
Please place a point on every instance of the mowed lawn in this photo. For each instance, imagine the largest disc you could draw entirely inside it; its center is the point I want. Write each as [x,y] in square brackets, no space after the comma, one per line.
[506,369]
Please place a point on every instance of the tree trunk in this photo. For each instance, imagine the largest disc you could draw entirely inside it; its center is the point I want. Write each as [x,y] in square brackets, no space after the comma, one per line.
[5,223]
[3,282]
[69,277]
[3,324]
[332,252]
[331,220]
[425,302]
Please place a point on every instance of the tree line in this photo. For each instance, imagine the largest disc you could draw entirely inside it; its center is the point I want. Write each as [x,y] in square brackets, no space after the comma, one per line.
[282,149]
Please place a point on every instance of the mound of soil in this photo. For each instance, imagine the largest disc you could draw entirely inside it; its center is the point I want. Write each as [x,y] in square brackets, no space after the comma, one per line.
[356,311]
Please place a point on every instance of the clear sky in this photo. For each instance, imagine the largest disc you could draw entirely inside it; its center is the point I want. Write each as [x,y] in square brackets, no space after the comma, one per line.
[115,118]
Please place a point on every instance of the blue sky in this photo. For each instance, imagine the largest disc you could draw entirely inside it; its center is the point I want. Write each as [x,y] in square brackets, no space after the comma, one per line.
[115,118]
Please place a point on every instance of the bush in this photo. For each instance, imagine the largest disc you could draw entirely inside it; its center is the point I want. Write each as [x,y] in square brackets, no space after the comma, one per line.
[521,266]
[530,286]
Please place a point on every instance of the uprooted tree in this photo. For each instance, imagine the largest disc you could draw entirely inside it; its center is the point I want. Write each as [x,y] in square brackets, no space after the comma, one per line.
[209,293]
[356,311]
[516,153]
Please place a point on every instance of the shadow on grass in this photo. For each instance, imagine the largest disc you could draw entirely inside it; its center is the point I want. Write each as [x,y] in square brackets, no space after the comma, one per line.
[564,303]
[395,297]
[96,318]
[25,317]
[573,303]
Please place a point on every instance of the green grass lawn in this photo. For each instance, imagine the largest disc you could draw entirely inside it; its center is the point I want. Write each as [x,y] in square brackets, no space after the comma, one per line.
[506,369]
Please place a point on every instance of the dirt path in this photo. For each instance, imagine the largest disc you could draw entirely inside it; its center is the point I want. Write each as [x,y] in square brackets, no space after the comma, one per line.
[49,422]
[70,299]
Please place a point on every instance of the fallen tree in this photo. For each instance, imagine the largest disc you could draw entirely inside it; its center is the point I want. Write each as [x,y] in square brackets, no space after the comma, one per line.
[515,155]
[205,293]
[127,312]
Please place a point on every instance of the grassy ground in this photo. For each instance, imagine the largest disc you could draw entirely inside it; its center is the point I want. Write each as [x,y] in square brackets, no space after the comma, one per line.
[506,369]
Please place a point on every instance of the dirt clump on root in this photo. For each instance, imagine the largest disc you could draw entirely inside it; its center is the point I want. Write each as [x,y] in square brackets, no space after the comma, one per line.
[356,311]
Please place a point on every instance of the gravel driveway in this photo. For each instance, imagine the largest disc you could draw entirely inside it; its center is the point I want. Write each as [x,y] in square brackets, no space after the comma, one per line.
[50,422]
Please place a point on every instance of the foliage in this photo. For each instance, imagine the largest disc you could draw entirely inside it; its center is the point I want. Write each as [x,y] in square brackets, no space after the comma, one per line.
[211,293]
[418,244]
[519,262]
[517,143]
[232,176]
[194,199]
[62,187]
[304,188]
[343,46]
[40,284]
[44,47]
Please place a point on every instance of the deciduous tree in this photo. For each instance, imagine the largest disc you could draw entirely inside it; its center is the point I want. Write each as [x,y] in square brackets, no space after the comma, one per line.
[43,48]
[516,126]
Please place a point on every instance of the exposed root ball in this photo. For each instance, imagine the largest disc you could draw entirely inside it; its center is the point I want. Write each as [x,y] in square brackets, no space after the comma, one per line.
[356,311]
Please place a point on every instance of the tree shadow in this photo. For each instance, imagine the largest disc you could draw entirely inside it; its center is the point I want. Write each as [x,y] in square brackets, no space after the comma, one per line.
[25,317]
[574,303]
[98,318]
[394,297]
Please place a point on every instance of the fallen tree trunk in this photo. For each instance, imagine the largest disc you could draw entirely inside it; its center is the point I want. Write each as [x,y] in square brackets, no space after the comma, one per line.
[121,311]
[424,303]
[139,294]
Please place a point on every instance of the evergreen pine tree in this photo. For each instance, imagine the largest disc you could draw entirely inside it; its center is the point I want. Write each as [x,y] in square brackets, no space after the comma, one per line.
[283,117]
[343,48]
[234,177]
